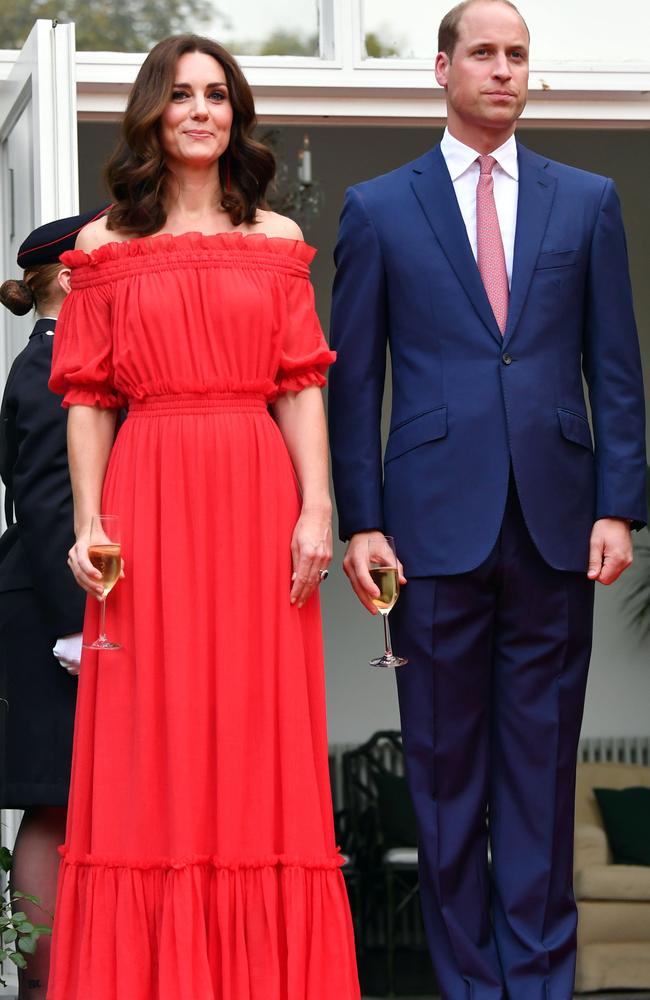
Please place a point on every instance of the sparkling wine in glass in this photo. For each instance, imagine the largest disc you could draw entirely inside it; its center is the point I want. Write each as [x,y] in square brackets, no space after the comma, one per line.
[105,553]
[382,564]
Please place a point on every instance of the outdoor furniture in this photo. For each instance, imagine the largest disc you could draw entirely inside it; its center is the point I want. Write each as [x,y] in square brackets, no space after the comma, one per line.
[383,843]
[613,899]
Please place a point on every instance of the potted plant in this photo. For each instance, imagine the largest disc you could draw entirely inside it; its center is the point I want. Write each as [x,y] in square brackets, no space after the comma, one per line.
[18,936]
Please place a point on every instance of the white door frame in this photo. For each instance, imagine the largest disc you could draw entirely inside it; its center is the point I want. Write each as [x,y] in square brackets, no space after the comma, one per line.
[44,73]
[42,81]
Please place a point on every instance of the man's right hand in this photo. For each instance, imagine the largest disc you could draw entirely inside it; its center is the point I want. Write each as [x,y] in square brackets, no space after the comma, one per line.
[362,547]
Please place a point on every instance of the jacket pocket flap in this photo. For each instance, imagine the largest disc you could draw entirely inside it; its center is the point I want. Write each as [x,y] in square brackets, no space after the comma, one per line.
[556,258]
[575,428]
[428,426]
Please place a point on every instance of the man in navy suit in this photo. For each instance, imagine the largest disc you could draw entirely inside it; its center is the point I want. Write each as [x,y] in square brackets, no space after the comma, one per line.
[498,278]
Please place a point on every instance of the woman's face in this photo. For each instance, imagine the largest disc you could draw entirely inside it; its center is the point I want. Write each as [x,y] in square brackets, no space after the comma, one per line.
[195,125]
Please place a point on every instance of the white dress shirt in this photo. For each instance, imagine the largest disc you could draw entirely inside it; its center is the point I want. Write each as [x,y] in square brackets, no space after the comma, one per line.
[464,171]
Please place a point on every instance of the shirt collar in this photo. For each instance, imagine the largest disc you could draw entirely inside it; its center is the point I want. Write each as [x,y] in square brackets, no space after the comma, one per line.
[44,324]
[460,157]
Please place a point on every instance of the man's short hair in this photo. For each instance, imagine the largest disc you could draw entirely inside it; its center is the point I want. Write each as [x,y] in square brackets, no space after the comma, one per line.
[448,30]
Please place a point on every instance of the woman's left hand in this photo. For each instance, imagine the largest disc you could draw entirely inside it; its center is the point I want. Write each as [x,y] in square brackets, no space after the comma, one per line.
[311,552]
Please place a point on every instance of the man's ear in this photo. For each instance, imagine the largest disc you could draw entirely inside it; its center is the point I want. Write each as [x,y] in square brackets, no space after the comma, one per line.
[63,277]
[442,68]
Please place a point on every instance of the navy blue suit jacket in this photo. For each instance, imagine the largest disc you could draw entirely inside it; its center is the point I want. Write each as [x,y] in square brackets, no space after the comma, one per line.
[466,402]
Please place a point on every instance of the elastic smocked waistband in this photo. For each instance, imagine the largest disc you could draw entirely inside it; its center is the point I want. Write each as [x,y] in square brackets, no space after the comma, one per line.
[198,403]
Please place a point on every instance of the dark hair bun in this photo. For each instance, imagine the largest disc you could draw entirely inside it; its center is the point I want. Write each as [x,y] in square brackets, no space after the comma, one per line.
[17,296]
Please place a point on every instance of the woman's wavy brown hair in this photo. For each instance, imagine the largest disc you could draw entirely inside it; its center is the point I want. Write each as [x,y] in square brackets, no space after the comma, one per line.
[137,174]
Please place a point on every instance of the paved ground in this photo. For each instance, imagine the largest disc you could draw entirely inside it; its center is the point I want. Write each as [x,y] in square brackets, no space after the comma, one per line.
[10,993]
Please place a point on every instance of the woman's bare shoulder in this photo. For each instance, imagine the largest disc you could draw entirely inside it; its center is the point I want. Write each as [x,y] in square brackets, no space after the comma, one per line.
[95,235]
[273,224]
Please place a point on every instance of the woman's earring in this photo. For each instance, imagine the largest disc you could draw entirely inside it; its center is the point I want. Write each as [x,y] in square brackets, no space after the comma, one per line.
[228,174]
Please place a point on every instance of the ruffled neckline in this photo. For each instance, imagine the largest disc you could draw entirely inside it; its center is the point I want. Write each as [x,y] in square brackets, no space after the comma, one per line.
[165,243]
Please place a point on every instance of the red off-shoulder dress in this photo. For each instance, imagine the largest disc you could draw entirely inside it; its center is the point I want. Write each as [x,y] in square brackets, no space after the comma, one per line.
[200,861]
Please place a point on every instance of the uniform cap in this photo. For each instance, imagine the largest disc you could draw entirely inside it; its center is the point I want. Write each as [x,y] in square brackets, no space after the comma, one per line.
[46,244]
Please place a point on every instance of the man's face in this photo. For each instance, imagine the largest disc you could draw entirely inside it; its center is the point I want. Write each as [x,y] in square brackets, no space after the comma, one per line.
[487,78]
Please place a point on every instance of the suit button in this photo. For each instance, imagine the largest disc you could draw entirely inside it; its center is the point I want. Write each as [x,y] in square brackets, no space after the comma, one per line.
[507,359]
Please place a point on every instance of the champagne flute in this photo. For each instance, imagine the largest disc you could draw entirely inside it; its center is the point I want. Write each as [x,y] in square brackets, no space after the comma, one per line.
[104,552]
[385,575]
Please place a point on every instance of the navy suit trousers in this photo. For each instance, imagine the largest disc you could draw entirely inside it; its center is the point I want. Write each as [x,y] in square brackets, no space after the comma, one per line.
[491,705]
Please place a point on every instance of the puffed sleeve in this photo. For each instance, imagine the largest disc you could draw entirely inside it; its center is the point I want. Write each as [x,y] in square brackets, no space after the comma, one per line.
[82,363]
[304,354]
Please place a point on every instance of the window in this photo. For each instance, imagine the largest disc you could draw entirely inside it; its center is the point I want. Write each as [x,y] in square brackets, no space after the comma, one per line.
[581,32]
[404,30]
[248,27]
[280,28]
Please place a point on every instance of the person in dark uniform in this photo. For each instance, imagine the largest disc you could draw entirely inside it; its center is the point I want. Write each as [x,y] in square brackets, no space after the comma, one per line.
[41,607]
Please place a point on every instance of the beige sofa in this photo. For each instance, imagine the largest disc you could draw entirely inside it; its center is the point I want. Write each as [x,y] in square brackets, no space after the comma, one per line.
[613,900]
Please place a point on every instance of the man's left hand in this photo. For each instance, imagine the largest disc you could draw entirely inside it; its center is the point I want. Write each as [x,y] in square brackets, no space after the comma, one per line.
[610,549]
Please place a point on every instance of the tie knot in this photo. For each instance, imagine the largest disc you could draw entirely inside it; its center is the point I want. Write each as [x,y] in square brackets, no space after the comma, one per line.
[486,164]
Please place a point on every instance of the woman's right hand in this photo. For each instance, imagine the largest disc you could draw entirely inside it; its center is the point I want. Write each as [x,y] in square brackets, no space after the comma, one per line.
[89,578]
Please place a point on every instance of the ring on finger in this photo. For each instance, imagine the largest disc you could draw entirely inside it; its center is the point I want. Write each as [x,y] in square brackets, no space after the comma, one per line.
[323,574]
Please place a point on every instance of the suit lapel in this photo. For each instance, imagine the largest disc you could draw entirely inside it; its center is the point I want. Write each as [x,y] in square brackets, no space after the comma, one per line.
[434,191]
[536,194]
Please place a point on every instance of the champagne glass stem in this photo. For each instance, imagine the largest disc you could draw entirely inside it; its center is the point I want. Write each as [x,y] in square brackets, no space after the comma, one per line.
[387,640]
[102,627]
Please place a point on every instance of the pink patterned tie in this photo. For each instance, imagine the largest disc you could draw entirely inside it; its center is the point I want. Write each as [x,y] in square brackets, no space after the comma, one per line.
[491,258]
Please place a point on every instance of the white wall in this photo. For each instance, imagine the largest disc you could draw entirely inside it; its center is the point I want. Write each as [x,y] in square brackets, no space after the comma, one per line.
[361,699]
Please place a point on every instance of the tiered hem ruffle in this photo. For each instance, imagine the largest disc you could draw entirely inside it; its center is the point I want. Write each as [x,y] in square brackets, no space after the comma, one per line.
[210,860]
[276,928]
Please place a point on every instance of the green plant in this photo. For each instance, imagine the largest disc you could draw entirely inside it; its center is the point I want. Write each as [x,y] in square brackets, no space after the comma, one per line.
[18,935]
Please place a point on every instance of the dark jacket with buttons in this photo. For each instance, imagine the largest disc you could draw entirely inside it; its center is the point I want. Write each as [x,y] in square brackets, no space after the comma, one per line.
[38,499]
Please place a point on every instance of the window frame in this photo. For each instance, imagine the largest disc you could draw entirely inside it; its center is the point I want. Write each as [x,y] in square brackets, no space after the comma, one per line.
[340,86]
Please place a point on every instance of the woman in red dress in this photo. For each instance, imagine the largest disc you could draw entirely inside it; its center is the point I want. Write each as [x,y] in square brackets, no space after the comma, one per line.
[200,861]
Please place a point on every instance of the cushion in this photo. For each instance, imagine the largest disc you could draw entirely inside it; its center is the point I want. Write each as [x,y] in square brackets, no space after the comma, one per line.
[396,813]
[613,967]
[626,817]
[590,846]
[590,776]
[614,882]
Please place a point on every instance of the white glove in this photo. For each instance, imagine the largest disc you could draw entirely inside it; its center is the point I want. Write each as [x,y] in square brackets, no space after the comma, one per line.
[68,652]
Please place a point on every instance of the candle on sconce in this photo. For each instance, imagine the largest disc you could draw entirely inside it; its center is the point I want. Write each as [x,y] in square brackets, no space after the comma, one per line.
[304,162]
